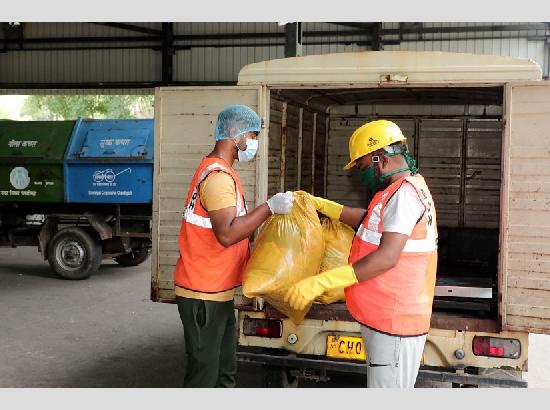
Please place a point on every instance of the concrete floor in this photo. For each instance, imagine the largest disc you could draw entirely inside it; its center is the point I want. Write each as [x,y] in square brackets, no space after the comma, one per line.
[100,332]
[105,332]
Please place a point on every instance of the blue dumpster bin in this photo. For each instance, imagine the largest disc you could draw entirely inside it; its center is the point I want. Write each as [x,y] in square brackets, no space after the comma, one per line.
[110,161]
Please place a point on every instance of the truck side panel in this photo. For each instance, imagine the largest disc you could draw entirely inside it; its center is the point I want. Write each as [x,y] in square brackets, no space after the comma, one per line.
[525,240]
[185,118]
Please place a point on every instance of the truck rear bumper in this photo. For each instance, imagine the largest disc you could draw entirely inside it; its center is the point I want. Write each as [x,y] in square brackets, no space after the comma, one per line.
[443,376]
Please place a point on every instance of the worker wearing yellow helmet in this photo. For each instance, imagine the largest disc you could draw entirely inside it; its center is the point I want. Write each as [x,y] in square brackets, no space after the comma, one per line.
[390,279]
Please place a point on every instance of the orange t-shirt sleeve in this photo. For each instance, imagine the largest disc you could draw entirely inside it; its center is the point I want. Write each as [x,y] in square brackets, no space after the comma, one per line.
[218,191]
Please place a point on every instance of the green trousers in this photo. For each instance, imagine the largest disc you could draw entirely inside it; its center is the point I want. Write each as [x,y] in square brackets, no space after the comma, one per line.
[210,342]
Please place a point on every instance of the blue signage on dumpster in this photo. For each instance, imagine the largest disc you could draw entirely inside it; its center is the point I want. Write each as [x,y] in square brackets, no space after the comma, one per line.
[110,161]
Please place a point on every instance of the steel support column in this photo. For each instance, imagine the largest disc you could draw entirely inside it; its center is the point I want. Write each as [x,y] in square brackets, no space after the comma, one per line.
[376,42]
[13,32]
[167,52]
[293,44]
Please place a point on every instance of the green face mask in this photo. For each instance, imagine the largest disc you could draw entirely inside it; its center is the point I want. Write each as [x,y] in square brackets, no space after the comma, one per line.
[370,180]
[375,183]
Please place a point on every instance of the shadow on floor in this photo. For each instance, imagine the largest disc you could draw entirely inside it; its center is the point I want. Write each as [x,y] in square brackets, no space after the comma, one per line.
[42,269]
[160,365]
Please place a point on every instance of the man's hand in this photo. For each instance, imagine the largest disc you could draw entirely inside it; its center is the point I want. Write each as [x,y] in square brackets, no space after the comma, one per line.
[305,291]
[281,203]
[326,207]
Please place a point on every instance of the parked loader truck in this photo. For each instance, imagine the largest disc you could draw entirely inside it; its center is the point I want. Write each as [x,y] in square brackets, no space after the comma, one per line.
[479,129]
[79,190]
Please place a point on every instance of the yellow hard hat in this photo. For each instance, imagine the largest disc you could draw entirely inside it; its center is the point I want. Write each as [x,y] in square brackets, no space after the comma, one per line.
[371,137]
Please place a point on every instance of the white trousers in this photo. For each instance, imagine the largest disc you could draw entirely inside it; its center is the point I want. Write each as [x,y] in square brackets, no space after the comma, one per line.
[392,361]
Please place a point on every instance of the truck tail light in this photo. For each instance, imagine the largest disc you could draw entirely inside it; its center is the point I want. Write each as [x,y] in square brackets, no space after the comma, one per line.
[496,347]
[263,328]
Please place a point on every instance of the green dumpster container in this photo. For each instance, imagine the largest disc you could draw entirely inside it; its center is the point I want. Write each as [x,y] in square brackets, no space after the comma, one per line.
[31,160]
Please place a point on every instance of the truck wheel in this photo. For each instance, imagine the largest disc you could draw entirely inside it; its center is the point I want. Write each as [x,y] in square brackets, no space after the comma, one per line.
[134,258]
[277,376]
[74,254]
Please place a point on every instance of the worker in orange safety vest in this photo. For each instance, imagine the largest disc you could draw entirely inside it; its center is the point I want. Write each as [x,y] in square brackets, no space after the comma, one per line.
[214,249]
[390,279]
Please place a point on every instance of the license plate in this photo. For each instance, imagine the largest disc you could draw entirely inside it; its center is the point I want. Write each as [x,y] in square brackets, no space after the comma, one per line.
[346,347]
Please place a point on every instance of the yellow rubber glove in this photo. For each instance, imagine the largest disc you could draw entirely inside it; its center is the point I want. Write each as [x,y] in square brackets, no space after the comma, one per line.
[305,291]
[327,207]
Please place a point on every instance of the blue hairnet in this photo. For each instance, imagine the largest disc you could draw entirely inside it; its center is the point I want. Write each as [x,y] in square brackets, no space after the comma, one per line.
[235,120]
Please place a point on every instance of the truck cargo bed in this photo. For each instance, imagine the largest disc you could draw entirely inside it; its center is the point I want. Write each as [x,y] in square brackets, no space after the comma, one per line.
[440,320]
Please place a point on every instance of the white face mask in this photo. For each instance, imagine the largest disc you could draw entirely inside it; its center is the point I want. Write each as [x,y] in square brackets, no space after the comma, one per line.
[250,152]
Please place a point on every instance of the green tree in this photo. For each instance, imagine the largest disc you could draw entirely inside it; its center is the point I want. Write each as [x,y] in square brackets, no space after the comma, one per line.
[4,114]
[70,107]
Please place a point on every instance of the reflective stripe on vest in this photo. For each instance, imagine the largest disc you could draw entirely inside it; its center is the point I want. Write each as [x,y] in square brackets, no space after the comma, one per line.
[398,301]
[411,246]
[204,222]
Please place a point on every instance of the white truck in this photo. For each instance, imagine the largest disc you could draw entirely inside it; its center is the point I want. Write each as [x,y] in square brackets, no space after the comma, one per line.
[479,128]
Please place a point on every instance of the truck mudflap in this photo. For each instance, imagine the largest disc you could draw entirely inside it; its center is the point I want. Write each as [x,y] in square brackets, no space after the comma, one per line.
[455,376]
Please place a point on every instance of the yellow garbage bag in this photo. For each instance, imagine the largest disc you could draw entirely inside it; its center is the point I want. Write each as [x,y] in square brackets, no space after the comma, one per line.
[338,238]
[288,249]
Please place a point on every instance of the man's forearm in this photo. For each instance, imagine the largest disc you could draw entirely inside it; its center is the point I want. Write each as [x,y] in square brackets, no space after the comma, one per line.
[372,265]
[352,216]
[383,258]
[243,226]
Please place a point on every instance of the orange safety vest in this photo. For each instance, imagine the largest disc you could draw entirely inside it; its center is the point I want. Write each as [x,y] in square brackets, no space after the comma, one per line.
[205,265]
[399,301]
